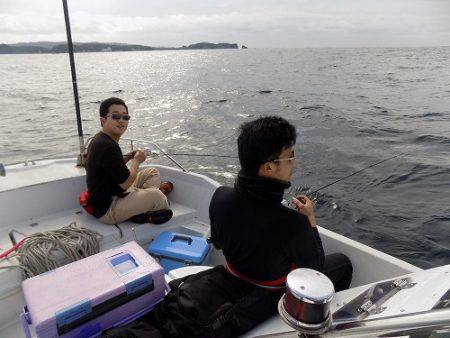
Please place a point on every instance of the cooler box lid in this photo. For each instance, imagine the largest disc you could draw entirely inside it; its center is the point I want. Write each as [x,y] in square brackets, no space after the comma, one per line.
[67,296]
[180,247]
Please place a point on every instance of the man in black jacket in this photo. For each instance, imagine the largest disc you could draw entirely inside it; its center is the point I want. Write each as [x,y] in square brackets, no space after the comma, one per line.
[261,239]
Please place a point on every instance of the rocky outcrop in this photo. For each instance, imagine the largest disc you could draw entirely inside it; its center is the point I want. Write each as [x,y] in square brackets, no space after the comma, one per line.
[61,47]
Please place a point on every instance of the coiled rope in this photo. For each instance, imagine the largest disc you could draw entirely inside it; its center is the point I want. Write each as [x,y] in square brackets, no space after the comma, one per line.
[48,250]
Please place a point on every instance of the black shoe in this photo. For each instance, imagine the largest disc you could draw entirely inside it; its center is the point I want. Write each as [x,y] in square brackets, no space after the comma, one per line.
[140,218]
[155,217]
[160,216]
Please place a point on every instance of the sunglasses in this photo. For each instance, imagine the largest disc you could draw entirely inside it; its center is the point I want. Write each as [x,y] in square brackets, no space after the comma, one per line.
[285,159]
[117,116]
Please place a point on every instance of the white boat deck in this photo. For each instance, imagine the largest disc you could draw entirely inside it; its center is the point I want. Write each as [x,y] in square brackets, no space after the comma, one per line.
[32,173]
[44,196]
[184,221]
[183,215]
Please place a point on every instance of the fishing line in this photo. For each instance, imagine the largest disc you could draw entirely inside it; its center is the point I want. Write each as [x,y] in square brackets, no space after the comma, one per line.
[309,194]
[217,142]
[201,155]
[356,172]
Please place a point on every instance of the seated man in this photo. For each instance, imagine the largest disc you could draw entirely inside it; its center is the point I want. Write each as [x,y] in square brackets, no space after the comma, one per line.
[117,193]
[261,239]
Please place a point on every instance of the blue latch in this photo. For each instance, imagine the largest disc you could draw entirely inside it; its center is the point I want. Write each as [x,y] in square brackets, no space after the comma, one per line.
[139,284]
[73,312]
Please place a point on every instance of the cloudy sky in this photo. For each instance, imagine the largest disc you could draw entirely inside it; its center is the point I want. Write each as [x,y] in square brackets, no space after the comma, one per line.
[256,23]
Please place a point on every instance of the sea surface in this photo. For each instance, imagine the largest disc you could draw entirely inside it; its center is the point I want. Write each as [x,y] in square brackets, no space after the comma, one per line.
[351,108]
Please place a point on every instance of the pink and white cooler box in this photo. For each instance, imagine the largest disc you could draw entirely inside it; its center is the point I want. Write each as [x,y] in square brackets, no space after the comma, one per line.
[88,296]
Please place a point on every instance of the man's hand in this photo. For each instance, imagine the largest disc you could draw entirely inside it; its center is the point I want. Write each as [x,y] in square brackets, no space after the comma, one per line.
[140,156]
[130,154]
[306,207]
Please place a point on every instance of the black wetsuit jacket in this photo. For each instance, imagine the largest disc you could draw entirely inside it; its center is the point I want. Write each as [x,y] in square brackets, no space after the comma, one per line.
[262,239]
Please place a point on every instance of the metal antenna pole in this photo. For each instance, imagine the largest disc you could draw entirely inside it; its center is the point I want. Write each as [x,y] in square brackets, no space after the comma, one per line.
[74,83]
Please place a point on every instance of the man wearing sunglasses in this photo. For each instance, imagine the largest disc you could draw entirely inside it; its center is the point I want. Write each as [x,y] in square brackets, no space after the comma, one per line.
[117,193]
[263,240]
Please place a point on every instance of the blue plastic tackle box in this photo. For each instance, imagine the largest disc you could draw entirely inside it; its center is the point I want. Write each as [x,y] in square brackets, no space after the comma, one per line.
[176,250]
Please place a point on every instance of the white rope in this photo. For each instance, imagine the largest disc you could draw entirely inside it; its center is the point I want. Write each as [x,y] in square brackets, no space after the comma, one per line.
[48,250]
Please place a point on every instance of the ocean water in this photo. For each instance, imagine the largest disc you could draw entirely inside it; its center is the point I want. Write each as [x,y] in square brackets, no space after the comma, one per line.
[351,108]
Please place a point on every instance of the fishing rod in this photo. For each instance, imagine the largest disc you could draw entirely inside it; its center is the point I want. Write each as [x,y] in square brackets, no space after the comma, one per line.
[356,172]
[201,155]
[169,155]
[311,193]
[74,83]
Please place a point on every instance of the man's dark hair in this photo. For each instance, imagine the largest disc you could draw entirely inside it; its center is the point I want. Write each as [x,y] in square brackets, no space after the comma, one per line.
[104,106]
[262,140]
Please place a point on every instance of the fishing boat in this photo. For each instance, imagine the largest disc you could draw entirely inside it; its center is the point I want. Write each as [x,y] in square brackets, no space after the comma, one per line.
[387,297]
[42,195]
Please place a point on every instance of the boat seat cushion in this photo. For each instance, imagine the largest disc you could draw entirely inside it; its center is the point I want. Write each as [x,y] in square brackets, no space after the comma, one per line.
[187,270]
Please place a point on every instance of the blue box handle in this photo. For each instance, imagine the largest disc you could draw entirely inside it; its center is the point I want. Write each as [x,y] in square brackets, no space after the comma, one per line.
[73,312]
[139,284]
[25,320]
[182,238]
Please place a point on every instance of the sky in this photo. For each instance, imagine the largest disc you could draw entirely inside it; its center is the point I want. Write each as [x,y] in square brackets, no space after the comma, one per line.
[254,23]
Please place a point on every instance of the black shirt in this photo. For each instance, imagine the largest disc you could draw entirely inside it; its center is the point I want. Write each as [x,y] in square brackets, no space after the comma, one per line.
[105,170]
[261,238]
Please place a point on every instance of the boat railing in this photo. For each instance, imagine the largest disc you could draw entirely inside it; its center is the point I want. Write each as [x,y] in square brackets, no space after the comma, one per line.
[133,141]
[419,324]
[435,323]
[156,151]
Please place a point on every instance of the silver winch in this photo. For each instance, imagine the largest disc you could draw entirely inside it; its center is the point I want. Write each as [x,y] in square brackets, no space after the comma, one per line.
[306,304]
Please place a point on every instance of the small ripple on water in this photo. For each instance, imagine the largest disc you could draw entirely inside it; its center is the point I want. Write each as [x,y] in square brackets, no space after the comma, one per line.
[217,101]
[410,67]
[224,174]
[428,116]
[313,107]
[48,98]
[385,132]
[381,109]
[432,139]
[433,114]
[245,116]
[177,136]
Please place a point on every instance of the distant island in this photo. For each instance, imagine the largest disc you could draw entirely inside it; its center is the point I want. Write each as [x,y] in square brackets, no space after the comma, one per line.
[61,47]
